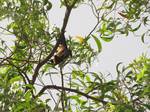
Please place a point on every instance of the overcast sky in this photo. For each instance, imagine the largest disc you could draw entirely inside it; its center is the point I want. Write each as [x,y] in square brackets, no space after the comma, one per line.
[121,49]
[81,21]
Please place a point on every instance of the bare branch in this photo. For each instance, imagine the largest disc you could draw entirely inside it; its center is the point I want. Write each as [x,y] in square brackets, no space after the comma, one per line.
[71,90]
[6,30]
[63,91]
[50,93]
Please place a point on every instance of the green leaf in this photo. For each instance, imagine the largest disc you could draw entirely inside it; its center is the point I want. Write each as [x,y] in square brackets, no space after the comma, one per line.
[141,75]
[106,38]
[88,78]
[103,28]
[49,6]
[145,20]
[98,43]
[135,29]
[15,79]
[110,6]
[21,46]
[2,50]
[45,2]
[30,86]
[27,96]
[75,97]
[117,67]
[142,38]
[147,106]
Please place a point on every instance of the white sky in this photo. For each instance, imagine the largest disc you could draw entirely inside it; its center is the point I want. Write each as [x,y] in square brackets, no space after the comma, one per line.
[121,49]
[81,21]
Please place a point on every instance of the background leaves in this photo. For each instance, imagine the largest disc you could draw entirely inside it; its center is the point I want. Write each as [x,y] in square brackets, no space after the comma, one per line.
[35,38]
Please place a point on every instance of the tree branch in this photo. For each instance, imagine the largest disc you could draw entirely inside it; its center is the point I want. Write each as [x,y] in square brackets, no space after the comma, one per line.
[23,60]
[70,90]
[41,63]
[63,91]
[22,73]
[66,18]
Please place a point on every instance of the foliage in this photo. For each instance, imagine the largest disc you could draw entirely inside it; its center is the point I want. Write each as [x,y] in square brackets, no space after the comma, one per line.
[24,67]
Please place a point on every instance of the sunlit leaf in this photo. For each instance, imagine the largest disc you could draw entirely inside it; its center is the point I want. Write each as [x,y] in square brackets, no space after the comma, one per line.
[98,43]
[27,96]
[88,78]
[15,79]
[107,39]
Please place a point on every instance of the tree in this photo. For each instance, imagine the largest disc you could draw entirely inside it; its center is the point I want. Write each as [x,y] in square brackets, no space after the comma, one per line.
[24,66]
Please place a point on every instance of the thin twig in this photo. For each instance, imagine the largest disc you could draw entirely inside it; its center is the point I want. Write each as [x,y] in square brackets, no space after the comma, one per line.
[63,91]
[6,30]
[50,93]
